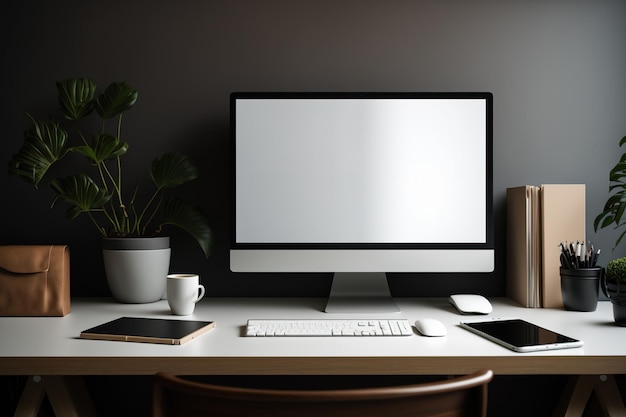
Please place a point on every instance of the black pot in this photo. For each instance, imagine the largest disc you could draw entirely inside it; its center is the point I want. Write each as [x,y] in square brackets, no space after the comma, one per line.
[615,290]
[579,288]
[136,243]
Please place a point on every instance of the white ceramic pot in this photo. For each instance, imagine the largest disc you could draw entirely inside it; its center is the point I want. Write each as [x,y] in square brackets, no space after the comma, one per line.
[137,268]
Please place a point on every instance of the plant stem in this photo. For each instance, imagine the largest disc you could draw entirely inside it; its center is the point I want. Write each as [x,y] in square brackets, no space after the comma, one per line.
[154,212]
[100,229]
[80,133]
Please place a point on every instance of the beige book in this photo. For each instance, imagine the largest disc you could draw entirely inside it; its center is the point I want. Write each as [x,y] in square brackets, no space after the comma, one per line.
[523,257]
[563,220]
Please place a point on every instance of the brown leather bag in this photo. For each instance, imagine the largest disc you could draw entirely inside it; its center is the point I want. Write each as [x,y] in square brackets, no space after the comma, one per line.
[34,280]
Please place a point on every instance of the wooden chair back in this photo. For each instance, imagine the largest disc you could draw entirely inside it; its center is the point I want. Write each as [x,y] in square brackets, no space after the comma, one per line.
[464,396]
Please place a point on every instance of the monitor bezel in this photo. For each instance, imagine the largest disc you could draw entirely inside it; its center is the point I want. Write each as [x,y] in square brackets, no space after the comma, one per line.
[489,233]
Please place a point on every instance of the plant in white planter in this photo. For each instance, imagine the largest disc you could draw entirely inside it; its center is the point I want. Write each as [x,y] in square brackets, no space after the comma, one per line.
[99,189]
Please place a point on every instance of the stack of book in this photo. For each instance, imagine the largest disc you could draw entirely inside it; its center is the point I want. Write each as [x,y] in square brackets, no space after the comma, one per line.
[539,219]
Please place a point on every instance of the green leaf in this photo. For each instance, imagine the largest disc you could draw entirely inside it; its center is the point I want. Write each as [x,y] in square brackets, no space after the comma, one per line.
[179,213]
[619,239]
[76,97]
[44,144]
[117,98]
[172,169]
[618,213]
[104,147]
[597,220]
[618,186]
[619,171]
[81,192]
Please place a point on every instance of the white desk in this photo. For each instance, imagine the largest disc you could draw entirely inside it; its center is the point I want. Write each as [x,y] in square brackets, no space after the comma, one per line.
[50,346]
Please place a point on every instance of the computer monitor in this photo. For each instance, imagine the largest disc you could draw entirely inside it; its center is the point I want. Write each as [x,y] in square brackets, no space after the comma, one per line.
[362,184]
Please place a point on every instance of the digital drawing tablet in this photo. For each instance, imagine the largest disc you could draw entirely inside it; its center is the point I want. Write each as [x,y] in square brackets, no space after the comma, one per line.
[149,330]
[520,335]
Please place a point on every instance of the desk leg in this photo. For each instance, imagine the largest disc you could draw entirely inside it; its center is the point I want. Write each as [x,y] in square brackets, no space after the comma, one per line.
[68,396]
[578,391]
[609,397]
[31,398]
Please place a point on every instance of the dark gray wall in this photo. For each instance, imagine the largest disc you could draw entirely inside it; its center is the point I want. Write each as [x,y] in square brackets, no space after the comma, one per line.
[556,69]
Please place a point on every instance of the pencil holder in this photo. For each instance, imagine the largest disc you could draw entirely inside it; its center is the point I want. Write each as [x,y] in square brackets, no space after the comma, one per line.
[579,288]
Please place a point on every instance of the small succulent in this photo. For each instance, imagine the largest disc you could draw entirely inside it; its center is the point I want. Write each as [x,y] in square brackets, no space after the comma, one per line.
[616,268]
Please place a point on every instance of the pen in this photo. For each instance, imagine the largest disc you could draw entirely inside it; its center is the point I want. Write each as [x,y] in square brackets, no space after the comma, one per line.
[565,257]
[579,255]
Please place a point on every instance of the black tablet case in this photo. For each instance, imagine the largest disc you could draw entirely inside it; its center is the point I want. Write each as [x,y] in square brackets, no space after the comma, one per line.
[149,330]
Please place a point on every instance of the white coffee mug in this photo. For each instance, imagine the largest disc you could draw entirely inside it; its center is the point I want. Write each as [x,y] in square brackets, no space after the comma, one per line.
[182,293]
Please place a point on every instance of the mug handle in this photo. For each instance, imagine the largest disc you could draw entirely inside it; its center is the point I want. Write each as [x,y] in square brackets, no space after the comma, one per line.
[201,288]
[605,287]
[603,283]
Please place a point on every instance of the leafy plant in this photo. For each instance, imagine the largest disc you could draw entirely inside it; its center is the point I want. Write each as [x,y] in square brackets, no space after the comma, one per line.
[616,268]
[101,194]
[613,212]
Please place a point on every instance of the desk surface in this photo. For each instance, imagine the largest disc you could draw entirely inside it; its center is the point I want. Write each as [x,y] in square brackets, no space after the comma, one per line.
[51,345]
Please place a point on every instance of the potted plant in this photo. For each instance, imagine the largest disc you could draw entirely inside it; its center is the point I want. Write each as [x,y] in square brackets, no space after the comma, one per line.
[614,287]
[99,190]
[614,282]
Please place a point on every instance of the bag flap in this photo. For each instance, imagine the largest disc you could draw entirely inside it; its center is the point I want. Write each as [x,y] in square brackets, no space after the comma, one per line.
[25,259]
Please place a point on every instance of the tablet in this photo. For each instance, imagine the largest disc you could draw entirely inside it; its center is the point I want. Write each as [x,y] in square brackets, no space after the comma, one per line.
[149,330]
[520,335]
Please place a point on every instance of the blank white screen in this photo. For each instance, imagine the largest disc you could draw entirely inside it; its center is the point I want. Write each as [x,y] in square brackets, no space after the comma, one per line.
[360,170]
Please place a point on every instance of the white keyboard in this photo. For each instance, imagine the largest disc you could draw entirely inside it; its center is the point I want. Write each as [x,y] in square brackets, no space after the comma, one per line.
[328,327]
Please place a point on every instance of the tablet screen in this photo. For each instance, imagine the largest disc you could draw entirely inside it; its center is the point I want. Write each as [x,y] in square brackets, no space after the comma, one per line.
[152,330]
[521,335]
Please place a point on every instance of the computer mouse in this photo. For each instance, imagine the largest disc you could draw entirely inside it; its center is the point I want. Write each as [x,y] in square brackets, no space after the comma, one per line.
[471,304]
[430,327]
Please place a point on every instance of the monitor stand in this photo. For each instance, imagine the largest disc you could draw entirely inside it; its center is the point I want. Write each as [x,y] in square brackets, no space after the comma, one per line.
[360,293]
